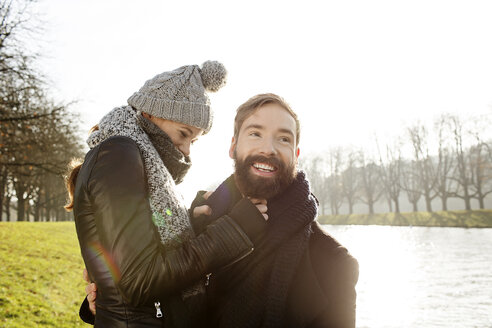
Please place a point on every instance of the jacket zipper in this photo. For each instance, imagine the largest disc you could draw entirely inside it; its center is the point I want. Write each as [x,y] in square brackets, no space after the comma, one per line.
[236,260]
[207,281]
[207,277]
[158,313]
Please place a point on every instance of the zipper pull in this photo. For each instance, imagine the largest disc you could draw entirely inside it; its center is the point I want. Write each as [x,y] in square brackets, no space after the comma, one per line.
[207,282]
[158,313]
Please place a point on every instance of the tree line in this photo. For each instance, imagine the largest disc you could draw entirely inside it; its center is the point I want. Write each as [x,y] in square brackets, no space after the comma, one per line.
[38,137]
[449,160]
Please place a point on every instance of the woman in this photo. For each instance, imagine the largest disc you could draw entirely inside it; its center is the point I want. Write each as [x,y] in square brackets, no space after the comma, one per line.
[133,229]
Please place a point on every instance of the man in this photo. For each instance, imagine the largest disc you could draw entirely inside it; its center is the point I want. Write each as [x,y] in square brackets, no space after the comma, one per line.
[298,276]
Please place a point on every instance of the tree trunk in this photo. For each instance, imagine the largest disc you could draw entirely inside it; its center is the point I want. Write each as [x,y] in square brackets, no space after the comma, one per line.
[371,207]
[58,215]
[428,203]
[7,207]
[20,190]
[415,207]
[444,201]
[397,205]
[3,180]
[21,208]
[48,212]
[481,202]
[467,202]
[37,210]
[466,197]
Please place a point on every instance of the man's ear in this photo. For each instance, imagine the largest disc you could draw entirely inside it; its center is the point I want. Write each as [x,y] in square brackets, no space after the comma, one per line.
[232,148]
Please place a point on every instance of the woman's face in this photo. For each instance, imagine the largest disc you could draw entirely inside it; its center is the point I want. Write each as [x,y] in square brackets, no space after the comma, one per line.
[182,135]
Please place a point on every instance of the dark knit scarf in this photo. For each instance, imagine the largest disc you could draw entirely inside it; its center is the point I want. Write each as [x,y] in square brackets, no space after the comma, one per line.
[264,279]
[175,161]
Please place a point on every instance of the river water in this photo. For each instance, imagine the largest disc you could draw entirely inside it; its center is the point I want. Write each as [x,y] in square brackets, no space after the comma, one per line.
[421,277]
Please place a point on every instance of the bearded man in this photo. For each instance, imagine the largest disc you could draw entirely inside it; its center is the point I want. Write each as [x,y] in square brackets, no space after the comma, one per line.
[298,276]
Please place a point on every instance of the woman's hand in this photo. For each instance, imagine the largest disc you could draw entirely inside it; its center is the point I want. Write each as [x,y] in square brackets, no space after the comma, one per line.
[261,205]
[91,291]
[204,209]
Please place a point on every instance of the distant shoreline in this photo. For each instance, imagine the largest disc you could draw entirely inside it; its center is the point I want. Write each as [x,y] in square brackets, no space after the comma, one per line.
[461,219]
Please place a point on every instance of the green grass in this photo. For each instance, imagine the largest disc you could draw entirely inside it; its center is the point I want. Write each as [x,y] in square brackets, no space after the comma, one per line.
[465,219]
[41,281]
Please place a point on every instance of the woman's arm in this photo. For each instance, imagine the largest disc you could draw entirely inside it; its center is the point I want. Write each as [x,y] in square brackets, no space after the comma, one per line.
[145,270]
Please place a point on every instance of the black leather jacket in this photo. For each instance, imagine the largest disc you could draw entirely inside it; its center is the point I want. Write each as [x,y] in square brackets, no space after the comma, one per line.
[121,247]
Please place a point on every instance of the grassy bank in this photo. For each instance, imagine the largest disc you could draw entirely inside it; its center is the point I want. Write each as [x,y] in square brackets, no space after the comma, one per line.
[41,281]
[465,219]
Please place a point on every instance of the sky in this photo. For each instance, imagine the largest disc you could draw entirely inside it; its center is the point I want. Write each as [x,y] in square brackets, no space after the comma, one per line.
[350,69]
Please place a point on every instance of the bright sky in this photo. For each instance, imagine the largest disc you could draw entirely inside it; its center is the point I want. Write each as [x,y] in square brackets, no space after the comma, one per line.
[349,68]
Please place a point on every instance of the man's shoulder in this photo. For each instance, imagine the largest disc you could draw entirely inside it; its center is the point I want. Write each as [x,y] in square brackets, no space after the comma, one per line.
[321,240]
[329,257]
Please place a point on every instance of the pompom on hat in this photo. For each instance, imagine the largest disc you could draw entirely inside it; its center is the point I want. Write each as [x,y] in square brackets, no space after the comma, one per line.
[180,95]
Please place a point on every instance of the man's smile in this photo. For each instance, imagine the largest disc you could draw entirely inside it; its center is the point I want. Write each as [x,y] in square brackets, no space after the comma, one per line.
[264,169]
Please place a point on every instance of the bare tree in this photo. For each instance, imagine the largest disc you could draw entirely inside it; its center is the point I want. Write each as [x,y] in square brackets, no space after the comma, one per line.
[370,186]
[16,21]
[3,187]
[462,173]
[37,137]
[334,179]
[444,163]
[390,173]
[8,194]
[481,173]
[423,166]
[411,183]
[36,147]
[315,168]
[350,180]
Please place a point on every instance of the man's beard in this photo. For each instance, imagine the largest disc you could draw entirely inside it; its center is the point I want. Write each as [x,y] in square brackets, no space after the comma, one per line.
[255,186]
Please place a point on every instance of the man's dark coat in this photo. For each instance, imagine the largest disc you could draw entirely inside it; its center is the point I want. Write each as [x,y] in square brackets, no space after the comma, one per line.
[320,293]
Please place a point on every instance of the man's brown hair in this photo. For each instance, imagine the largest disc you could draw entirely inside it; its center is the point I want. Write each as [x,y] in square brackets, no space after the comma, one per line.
[252,104]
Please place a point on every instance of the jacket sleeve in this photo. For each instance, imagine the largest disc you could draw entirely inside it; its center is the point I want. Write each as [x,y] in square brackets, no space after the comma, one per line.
[145,270]
[243,212]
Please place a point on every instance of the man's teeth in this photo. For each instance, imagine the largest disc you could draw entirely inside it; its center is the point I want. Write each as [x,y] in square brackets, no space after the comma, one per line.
[264,167]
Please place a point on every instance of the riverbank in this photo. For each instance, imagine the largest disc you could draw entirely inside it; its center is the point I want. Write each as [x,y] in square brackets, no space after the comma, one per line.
[463,219]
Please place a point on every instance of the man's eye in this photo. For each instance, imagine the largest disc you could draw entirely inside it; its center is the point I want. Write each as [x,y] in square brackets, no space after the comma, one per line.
[285,139]
[254,134]
[183,134]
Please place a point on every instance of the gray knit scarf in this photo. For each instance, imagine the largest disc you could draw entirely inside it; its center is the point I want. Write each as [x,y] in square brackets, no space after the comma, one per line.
[168,210]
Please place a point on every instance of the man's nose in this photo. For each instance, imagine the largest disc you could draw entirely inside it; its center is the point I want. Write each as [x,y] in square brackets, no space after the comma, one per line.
[267,147]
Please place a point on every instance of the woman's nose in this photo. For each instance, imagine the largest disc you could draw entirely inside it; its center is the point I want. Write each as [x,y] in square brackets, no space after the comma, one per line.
[185,149]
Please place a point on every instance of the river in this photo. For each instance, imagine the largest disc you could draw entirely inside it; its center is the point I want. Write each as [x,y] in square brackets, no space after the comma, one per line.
[421,277]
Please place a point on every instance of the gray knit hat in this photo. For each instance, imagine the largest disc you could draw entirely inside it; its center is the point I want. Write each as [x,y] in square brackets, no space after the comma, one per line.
[180,95]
